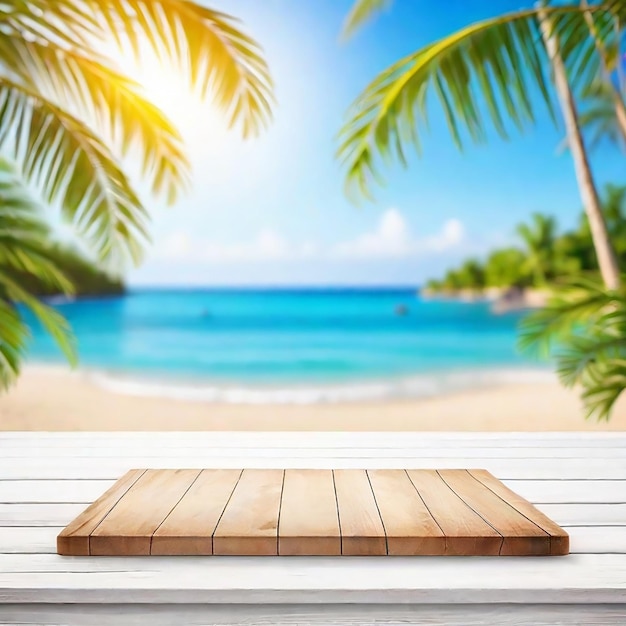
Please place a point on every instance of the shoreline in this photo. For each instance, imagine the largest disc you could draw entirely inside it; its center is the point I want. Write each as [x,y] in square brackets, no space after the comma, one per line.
[54,399]
[315,392]
[501,299]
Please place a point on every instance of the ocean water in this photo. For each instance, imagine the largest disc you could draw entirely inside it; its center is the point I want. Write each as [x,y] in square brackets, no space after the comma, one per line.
[289,345]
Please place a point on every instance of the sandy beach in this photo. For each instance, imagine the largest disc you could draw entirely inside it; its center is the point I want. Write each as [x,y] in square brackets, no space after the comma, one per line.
[56,400]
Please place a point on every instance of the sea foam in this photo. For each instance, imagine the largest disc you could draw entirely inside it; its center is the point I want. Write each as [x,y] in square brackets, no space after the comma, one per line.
[418,386]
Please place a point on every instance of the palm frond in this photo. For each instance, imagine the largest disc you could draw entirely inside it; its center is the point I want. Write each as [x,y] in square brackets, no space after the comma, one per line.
[84,84]
[584,330]
[578,302]
[54,323]
[362,11]
[25,250]
[476,68]
[603,390]
[72,167]
[13,341]
[206,45]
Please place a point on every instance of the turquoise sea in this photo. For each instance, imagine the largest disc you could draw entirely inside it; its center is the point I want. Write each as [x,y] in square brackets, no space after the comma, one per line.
[289,345]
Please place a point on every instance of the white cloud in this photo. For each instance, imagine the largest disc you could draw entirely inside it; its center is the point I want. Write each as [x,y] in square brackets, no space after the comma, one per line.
[392,238]
[452,234]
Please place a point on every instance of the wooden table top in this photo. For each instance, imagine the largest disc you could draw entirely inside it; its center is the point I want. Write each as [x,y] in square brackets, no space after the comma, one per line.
[311,512]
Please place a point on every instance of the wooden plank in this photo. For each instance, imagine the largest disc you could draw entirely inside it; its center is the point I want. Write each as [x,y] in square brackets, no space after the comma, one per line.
[559,541]
[511,469]
[128,528]
[465,531]
[249,525]
[409,526]
[362,531]
[145,452]
[583,539]
[290,439]
[74,539]
[189,528]
[309,521]
[522,537]
[535,491]
[577,579]
[314,615]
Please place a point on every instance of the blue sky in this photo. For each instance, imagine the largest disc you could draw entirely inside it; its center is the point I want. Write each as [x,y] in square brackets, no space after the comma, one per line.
[273,211]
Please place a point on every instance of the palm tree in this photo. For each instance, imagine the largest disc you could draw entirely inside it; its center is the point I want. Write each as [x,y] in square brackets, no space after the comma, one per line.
[68,114]
[539,239]
[489,54]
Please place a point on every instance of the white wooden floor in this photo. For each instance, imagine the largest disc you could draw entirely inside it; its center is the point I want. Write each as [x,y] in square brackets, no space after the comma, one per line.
[578,479]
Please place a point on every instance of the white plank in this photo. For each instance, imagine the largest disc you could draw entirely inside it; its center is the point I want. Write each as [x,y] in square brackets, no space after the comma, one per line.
[316,439]
[89,468]
[312,615]
[575,579]
[52,452]
[52,491]
[537,491]
[583,539]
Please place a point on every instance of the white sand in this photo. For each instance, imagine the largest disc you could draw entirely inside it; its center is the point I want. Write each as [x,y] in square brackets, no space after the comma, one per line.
[52,400]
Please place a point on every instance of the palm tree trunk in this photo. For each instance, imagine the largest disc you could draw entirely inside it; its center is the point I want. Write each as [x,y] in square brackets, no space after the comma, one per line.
[618,101]
[586,185]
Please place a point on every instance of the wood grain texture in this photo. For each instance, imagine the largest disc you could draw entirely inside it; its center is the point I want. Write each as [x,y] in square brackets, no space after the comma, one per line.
[521,537]
[362,530]
[189,528]
[249,525]
[73,540]
[466,533]
[128,528]
[315,615]
[409,526]
[309,522]
[559,539]
[306,512]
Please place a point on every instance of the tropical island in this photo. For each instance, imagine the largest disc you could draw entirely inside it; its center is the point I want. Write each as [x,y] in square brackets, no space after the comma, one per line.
[86,278]
[524,275]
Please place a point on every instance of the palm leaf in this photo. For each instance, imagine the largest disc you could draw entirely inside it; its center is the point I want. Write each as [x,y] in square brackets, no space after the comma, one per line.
[473,74]
[361,12]
[54,323]
[72,167]
[601,393]
[578,302]
[205,45]
[112,102]
[13,340]
[25,248]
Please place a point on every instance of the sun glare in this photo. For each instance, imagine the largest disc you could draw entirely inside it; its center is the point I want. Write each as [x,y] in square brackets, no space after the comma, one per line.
[166,87]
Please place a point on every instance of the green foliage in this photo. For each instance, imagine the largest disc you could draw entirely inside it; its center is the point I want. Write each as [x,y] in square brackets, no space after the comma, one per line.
[475,77]
[68,115]
[24,250]
[544,258]
[598,117]
[538,238]
[584,328]
[86,278]
[56,90]
[507,268]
